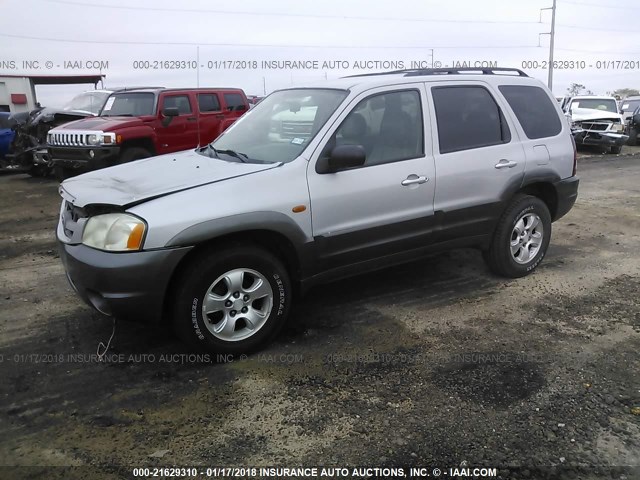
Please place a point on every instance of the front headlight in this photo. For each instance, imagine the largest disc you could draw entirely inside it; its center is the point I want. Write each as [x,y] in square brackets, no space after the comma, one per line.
[101,139]
[118,232]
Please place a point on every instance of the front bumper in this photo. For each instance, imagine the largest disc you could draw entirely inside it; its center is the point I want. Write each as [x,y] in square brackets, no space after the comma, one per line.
[80,157]
[607,139]
[129,285]
[566,193]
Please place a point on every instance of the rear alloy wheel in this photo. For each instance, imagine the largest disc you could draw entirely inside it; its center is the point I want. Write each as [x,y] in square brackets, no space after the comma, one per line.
[521,238]
[232,300]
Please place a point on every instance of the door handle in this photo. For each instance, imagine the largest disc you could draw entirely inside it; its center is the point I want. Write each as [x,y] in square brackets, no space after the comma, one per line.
[414,179]
[191,119]
[504,163]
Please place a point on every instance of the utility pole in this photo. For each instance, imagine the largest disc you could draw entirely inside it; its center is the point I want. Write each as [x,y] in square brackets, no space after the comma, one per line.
[552,35]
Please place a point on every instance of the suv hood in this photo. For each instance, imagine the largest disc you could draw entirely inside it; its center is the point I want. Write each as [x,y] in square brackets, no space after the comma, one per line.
[141,180]
[105,124]
[581,114]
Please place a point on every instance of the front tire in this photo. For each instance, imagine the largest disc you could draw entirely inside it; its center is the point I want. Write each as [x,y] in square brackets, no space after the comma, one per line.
[232,300]
[633,137]
[131,154]
[521,238]
[616,150]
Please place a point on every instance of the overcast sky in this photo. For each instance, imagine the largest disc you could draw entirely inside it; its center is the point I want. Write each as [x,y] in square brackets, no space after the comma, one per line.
[123,32]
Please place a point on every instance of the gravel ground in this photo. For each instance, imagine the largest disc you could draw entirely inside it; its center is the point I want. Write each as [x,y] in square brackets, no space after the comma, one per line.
[434,364]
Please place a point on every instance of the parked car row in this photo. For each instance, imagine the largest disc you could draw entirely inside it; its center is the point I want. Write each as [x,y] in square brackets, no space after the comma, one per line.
[101,128]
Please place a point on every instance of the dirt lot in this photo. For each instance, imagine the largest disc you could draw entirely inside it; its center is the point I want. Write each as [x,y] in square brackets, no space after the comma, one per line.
[434,364]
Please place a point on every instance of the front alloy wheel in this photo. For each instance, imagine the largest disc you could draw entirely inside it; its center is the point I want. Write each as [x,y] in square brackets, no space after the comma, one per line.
[237,304]
[231,300]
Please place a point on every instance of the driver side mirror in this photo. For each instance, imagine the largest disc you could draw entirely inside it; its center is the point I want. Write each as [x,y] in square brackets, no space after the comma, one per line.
[342,157]
[168,113]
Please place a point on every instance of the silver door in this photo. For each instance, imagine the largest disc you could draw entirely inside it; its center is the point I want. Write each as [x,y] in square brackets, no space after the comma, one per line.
[385,206]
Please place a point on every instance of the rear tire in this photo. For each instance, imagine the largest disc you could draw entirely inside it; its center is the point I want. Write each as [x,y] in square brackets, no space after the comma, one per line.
[633,137]
[231,300]
[521,238]
[616,150]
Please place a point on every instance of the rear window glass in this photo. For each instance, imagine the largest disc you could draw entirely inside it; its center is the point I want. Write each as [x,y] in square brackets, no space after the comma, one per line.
[534,110]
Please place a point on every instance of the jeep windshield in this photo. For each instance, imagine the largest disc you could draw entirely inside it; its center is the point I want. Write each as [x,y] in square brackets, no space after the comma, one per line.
[90,102]
[604,104]
[278,128]
[129,104]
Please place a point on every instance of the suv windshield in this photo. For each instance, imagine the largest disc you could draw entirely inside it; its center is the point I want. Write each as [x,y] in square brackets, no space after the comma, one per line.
[129,104]
[604,104]
[280,127]
[90,102]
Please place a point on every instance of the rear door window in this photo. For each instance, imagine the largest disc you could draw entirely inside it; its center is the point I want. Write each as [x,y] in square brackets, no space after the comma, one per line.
[208,102]
[468,117]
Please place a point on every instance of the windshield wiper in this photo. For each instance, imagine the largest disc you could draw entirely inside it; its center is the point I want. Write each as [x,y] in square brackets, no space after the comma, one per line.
[240,156]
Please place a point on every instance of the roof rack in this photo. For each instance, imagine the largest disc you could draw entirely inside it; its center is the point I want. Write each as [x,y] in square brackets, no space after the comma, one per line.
[444,71]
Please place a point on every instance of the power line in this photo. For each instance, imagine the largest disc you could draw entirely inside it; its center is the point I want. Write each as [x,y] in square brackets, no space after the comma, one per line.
[595,5]
[597,51]
[286,14]
[253,45]
[580,27]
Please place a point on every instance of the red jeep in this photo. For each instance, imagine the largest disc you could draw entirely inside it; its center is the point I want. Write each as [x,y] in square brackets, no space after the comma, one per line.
[141,123]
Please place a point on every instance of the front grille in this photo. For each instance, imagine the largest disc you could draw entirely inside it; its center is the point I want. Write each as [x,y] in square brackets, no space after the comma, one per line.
[69,139]
[296,129]
[595,126]
[70,216]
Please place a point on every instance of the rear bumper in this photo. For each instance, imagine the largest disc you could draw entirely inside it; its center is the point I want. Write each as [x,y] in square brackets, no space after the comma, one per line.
[567,193]
[81,157]
[129,286]
[606,139]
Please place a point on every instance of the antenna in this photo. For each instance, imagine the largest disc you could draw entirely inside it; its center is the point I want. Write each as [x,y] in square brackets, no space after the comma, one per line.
[198,86]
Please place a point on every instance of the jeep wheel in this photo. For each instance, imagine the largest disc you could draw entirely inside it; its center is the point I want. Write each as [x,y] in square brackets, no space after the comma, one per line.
[521,238]
[131,154]
[39,171]
[616,150]
[633,137]
[232,300]
[62,173]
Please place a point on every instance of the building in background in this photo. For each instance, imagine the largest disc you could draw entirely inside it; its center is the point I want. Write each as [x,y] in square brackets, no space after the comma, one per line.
[18,92]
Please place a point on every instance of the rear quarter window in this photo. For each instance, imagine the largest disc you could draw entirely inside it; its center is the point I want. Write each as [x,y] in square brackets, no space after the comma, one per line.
[534,110]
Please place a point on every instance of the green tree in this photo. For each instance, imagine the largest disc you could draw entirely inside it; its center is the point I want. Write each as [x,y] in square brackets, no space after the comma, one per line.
[623,93]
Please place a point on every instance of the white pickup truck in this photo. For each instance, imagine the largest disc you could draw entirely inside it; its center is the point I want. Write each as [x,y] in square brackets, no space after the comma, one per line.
[596,121]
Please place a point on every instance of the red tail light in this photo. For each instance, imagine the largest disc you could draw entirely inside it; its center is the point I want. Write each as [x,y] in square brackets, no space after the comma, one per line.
[575,156]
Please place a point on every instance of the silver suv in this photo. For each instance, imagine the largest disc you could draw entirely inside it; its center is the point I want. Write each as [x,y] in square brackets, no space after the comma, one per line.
[320,183]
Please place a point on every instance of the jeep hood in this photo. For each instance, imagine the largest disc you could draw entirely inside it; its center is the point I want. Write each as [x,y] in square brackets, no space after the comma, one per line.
[142,180]
[582,114]
[105,124]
